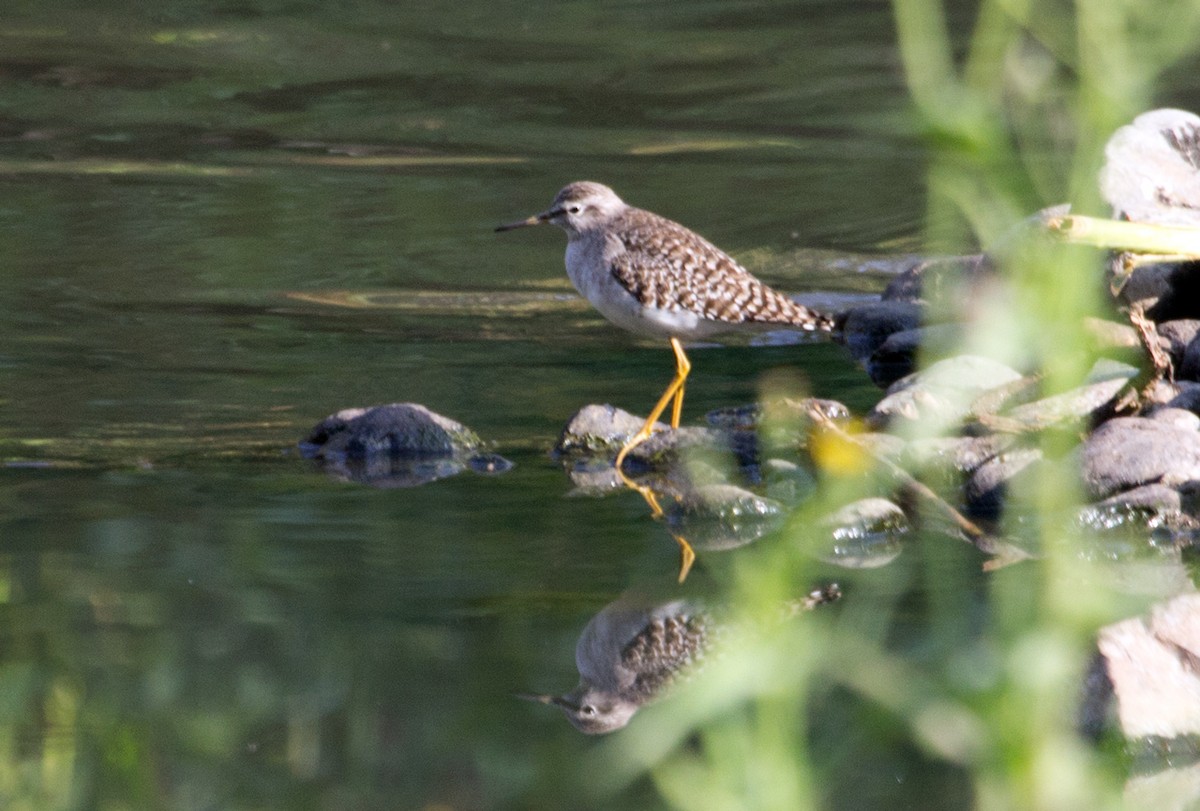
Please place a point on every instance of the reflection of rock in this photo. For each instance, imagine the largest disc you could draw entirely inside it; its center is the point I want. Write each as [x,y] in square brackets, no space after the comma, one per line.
[636,647]
[865,534]
[397,445]
[722,516]
[593,477]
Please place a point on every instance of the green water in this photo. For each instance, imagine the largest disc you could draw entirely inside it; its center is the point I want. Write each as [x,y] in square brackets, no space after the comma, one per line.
[220,222]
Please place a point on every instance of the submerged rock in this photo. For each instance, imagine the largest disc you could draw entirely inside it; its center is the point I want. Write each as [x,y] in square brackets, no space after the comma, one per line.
[397,445]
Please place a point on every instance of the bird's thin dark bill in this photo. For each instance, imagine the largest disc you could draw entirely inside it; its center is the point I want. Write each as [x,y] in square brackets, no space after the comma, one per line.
[543,698]
[538,697]
[534,220]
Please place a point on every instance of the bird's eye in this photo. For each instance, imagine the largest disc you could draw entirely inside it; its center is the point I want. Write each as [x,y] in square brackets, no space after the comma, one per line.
[574,209]
[587,709]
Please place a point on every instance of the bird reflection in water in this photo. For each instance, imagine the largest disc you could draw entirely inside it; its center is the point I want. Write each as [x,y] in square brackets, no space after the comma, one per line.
[635,648]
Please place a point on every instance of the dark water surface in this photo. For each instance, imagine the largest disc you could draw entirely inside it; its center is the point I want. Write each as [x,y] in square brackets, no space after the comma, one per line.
[221,221]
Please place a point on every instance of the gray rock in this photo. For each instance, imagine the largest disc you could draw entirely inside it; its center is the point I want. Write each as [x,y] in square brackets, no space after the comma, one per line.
[396,445]
[596,429]
[1188,367]
[602,430]
[1179,417]
[1151,169]
[1128,452]
[1165,291]
[748,417]
[1181,394]
[1175,337]
[1076,404]
[663,449]
[960,455]
[1150,663]
[396,429]
[942,393]
[866,327]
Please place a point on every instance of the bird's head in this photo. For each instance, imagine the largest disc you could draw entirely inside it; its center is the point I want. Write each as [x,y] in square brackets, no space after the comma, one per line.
[578,207]
[589,710]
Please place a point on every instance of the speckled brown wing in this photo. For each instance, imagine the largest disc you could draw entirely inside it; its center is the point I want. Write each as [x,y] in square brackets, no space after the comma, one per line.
[660,653]
[668,267]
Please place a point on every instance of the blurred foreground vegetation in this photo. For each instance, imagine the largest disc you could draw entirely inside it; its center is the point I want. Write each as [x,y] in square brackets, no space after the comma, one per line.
[978,674]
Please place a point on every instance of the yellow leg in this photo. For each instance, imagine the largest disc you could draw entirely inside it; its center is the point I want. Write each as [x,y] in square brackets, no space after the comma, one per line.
[687,555]
[683,367]
[673,395]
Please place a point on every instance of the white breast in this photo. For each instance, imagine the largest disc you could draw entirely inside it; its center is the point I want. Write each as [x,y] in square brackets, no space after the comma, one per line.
[588,260]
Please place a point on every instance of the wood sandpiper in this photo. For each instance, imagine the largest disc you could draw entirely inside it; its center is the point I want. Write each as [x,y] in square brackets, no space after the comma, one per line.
[654,277]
